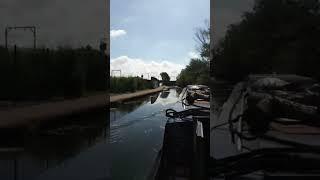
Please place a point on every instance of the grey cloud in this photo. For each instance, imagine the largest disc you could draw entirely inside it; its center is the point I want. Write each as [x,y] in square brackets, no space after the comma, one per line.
[59,22]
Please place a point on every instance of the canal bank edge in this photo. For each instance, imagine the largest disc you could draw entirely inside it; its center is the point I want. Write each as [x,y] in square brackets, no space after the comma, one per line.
[123,97]
[33,115]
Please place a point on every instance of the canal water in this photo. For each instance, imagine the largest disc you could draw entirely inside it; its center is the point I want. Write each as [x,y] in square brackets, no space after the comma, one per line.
[136,133]
[120,144]
[70,148]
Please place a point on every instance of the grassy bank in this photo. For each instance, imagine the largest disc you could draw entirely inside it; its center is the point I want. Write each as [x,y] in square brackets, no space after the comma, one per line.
[128,84]
[27,74]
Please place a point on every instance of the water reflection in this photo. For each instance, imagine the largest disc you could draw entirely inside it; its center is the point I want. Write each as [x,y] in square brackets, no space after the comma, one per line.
[153,98]
[27,154]
[79,147]
[118,110]
[164,94]
[136,136]
[179,91]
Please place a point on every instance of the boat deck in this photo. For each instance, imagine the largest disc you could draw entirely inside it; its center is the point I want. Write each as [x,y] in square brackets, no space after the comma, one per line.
[185,149]
[177,152]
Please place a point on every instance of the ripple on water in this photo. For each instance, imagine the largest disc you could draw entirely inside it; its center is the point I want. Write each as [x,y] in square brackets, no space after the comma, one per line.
[140,128]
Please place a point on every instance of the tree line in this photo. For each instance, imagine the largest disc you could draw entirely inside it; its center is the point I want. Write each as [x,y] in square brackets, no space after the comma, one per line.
[32,74]
[128,84]
[275,37]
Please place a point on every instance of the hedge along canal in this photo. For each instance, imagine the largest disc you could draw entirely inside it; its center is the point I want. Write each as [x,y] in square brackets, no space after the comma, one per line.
[136,133]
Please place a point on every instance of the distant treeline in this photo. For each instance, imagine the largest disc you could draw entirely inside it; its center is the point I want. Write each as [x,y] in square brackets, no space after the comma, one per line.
[128,84]
[276,36]
[32,74]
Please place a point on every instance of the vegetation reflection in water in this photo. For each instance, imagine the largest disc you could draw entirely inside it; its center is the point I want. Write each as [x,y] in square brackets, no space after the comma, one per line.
[33,154]
[136,135]
[78,147]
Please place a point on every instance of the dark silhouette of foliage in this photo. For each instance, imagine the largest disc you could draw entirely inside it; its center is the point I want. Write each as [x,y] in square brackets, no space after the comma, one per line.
[276,36]
[165,77]
[197,72]
[128,84]
[202,36]
[43,74]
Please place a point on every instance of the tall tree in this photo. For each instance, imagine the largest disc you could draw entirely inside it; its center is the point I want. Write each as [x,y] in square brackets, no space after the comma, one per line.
[165,77]
[197,71]
[202,37]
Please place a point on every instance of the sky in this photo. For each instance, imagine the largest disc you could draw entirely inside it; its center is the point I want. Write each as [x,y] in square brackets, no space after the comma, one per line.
[71,23]
[144,32]
[151,36]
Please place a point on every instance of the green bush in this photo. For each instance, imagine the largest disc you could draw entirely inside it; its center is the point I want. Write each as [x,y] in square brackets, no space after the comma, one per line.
[128,84]
[196,72]
[29,74]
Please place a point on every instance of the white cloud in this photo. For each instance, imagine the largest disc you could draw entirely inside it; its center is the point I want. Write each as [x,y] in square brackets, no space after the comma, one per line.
[193,55]
[117,33]
[137,67]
